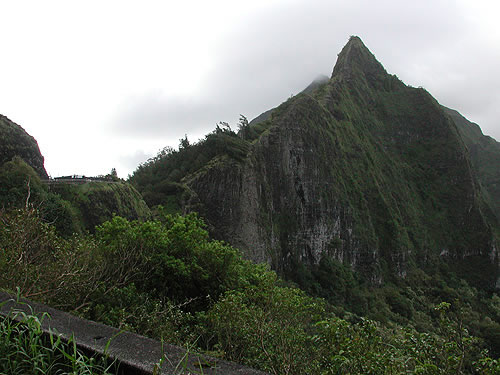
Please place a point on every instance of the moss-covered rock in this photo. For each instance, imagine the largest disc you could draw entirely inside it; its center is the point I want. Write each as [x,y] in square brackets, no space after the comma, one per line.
[97,202]
[485,156]
[14,141]
[71,208]
[362,169]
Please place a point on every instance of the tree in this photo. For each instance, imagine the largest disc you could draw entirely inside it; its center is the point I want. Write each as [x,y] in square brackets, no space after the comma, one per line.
[243,127]
[223,127]
[184,142]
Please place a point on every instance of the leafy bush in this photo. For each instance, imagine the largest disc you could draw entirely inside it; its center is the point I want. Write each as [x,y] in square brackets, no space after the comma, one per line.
[43,265]
[166,278]
[173,258]
[267,326]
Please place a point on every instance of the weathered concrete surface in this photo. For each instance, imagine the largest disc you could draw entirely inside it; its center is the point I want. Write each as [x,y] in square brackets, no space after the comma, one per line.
[136,354]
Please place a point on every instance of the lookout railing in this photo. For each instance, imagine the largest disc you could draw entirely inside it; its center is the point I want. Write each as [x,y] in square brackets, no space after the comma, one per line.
[134,354]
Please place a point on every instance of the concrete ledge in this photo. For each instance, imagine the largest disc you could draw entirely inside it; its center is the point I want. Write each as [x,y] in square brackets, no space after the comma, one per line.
[136,354]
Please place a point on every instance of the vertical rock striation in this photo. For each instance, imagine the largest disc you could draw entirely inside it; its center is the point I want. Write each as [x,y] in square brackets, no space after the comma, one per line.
[361,168]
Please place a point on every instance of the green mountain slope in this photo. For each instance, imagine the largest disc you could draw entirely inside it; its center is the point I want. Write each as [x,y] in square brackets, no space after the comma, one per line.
[362,169]
[97,202]
[72,208]
[16,142]
[485,156]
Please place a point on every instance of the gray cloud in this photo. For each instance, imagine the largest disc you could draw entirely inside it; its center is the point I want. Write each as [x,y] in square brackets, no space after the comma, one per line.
[278,52]
[152,114]
[130,162]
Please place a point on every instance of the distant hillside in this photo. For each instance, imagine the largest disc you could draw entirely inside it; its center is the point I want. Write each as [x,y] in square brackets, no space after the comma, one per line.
[97,202]
[72,208]
[16,142]
[316,83]
[362,169]
[485,156]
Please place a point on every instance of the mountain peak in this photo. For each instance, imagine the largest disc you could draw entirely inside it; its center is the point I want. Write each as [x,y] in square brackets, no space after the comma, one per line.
[354,58]
[318,81]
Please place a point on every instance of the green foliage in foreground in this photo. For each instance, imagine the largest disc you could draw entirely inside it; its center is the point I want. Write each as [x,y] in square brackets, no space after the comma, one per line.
[25,350]
[284,331]
[167,279]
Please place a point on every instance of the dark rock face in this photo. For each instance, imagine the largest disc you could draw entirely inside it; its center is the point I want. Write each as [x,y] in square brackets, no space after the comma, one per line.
[14,141]
[363,169]
[356,59]
[485,157]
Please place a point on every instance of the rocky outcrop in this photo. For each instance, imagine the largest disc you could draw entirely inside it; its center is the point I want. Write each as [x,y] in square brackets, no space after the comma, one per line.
[363,169]
[485,157]
[14,141]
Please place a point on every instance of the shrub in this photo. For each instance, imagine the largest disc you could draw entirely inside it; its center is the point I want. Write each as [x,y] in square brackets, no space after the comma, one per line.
[267,326]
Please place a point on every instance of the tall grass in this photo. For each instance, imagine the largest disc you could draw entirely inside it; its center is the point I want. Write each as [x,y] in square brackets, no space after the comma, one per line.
[25,349]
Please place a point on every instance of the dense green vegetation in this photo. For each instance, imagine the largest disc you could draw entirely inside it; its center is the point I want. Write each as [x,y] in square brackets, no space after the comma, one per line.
[21,186]
[72,208]
[399,277]
[25,350]
[96,202]
[16,142]
[485,157]
[381,161]
[167,279]
[160,179]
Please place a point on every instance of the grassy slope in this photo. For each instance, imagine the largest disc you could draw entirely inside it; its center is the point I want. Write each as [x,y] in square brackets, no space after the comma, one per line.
[97,202]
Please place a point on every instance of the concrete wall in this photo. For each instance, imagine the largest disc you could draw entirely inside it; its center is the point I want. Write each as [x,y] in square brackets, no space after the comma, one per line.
[135,354]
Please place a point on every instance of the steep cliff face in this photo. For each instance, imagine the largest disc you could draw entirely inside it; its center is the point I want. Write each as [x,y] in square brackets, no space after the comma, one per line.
[485,156]
[14,141]
[361,168]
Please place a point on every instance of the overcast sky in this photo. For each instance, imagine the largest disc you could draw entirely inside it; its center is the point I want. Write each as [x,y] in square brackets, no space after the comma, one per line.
[103,84]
